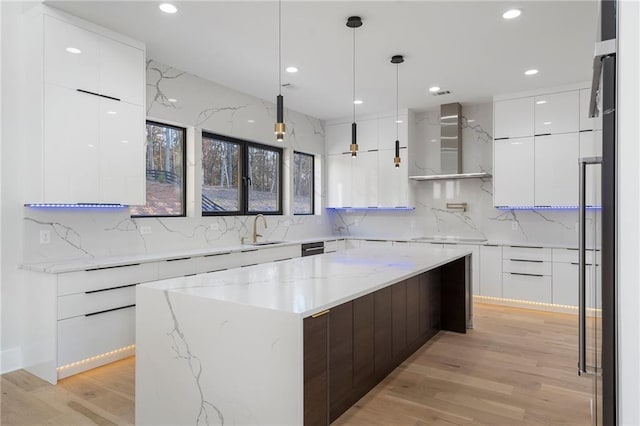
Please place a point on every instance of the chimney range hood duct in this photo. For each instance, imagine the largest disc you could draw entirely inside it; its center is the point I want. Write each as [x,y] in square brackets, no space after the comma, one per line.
[451,146]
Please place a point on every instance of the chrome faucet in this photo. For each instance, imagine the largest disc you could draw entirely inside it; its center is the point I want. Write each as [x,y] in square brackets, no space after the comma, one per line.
[255,227]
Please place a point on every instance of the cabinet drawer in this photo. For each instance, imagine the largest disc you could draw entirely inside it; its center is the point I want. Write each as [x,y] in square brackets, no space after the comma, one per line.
[193,265]
[330,246]
[533,288]
[97,279]
[74,305]
[86,336]
[525,266]
[272,254]
[526,253]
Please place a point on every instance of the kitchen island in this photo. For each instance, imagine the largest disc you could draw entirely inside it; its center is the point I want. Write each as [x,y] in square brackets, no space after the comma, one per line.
[291,342]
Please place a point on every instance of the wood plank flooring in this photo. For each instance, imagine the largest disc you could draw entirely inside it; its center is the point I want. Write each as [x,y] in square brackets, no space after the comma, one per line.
[517,367]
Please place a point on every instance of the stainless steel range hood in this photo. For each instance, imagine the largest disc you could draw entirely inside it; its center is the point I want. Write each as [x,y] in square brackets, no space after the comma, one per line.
[451,146]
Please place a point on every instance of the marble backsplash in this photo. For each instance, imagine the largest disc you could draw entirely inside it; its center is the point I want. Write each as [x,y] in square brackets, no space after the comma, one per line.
[481,220]
[179,98]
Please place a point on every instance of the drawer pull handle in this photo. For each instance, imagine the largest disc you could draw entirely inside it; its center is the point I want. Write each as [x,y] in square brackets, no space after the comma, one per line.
[217,254]
[248,251]
[175,260]
[112,267]
[244,266]
[319,314]
[313,249]
[98,94]
[527,247]
[110,310]
[110,288]
[528,275]
[578,264]
[527,260]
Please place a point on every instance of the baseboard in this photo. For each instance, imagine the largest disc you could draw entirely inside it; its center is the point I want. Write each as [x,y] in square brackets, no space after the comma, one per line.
[10,360]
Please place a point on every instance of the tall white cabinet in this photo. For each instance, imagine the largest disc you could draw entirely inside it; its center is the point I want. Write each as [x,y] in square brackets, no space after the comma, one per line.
[86,106]
[370,180]
[538,140]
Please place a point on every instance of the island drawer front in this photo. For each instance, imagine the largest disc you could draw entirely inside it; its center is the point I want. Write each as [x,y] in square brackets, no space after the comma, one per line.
[571,256]
[526,266]
[529,253]
[534,288]
[97,279]
[279,253]
[74,305]
[193,265]
[87,336]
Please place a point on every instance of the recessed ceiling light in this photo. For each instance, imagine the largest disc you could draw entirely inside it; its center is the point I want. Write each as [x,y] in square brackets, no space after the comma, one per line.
[111,112]
[434,89]
[168,8]
[172,100]
[291,69]
[433,140]
[90,145]
[512,13]
[546,123]
[398,121]
[541,102]
[124,141]
[73,50]
[357,102]
[531,72]
[251,121]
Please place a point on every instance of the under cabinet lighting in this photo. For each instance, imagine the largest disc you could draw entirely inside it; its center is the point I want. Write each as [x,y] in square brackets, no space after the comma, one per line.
[75,206]
[545,207]
[349,209]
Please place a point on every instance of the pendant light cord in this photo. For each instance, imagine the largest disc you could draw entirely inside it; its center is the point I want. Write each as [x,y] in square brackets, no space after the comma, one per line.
[354,75]
[280,47]
[397,84]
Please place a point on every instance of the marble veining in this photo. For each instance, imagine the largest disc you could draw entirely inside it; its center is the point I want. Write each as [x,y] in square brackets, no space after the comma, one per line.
[158,74]
[182,350]
[66,233]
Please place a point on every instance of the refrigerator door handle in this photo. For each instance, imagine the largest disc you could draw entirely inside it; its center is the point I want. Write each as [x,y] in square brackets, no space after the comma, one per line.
[582,264]
[603,50]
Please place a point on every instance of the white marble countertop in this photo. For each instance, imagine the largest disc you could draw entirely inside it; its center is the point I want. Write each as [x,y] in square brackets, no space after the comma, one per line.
[308,285]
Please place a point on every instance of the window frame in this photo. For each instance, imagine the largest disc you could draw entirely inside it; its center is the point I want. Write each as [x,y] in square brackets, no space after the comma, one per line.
[184,170]
[244,167]
[313,184]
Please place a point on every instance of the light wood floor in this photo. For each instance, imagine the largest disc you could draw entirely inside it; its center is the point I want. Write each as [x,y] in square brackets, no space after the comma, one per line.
[516,367]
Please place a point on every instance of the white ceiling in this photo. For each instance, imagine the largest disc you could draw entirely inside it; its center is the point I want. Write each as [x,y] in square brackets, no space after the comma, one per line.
[465,47]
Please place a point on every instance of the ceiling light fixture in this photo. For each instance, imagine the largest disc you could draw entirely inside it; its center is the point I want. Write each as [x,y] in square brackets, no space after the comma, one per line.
[73,50]
[279,128]
[168,8]
[354,22]
[541,102]
[531,72]
[434,89]
[291,69]
[250,121]
[397,60]
[511,14]
[357,102]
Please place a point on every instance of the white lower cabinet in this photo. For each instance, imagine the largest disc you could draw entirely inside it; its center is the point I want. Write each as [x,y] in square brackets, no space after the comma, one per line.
[94,334]
[526,287]
[491,271]
[91,302]
[565,284]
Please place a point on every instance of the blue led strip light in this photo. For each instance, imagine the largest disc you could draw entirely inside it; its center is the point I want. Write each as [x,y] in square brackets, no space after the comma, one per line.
[76,206]
[373,208]
[545,207]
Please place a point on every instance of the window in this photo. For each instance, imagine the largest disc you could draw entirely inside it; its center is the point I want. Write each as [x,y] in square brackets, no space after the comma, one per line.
[166,164]
[240,177]
[303,177]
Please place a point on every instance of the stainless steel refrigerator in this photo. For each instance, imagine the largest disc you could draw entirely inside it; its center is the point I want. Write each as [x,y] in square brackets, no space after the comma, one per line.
[597,352]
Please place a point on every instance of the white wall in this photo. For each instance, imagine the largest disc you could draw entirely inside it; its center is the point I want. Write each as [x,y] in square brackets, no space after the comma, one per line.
[77,233]
[481,220]
[628,207]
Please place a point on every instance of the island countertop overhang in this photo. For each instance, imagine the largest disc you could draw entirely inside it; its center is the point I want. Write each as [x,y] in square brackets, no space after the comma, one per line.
[309,285]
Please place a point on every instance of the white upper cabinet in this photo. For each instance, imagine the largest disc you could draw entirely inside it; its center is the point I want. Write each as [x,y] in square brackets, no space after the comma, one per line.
[339,180]
[364,179]
[392,181]
[513,177]
[513,118]
[591,144]
[80,59]
[85,105]
[557,113]
[338,138]
[586,122]
[556,169]
[367,135]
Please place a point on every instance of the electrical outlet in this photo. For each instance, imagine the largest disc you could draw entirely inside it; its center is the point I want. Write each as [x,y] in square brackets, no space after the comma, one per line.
[145,230]
[215,226]
[45,236]
[514,225]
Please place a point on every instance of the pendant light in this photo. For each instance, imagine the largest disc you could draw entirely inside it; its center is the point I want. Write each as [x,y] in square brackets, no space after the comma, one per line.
[354,22]
[397,60]
[279,128]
